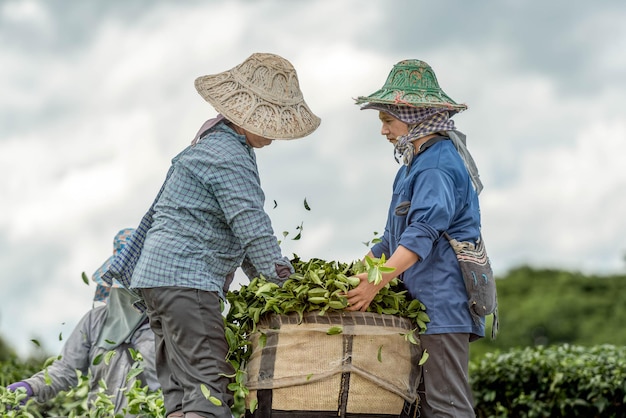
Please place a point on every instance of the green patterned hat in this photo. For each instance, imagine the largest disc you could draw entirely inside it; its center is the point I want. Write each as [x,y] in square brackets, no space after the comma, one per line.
[411,83]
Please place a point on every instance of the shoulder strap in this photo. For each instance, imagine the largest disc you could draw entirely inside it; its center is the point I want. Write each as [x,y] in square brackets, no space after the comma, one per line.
[432,141]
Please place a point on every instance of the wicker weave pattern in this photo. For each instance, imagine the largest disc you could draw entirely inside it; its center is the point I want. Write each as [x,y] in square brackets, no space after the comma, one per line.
[261,95]
[412,83]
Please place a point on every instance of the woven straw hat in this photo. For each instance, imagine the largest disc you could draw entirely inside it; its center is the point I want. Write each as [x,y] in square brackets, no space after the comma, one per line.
[262,95]
[412,83]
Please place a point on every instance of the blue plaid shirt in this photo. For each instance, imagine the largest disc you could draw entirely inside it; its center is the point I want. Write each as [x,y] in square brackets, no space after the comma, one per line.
[207,220]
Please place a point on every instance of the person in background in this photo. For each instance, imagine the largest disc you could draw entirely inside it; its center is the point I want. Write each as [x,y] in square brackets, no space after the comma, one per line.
[207,221]
[111,325]
[435,191]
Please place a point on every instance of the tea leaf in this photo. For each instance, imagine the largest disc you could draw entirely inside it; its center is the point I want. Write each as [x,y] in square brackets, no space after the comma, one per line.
[109,355]
[334,330]
[424,357]
[133,373]
[253,405]
[97,360]
[207,394]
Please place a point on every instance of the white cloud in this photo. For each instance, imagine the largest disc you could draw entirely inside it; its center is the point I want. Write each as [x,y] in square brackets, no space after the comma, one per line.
[87,133]
[24,12]
[565,209]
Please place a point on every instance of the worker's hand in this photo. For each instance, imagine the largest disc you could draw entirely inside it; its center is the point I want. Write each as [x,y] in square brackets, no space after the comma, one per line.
[14,387]
[283,271]
[360,297]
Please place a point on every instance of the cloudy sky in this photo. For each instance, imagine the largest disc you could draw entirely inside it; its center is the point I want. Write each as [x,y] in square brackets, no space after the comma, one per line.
[96,97]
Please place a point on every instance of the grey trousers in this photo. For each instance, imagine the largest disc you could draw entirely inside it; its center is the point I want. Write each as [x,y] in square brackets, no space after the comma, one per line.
[190,349]
[445,389]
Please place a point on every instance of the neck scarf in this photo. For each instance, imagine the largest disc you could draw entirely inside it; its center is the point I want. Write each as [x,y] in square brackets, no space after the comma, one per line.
[206,126]
[122,319]
[424,121]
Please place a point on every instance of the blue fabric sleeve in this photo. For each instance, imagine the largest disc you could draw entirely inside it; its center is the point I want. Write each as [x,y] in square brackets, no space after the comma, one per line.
[431,212]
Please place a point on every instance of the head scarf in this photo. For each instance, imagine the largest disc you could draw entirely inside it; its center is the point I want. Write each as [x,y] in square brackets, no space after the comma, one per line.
[424,121]
[122,319]
[102,287]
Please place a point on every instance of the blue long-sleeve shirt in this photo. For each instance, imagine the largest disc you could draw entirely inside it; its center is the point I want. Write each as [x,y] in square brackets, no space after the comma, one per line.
[433,196]
[209,219]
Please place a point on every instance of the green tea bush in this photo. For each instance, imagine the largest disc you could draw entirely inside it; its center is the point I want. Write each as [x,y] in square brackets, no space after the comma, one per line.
[551,381]
[12,369]
[142,402]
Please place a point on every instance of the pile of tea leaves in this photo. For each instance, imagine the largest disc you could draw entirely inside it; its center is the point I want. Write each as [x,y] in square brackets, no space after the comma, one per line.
[317,285]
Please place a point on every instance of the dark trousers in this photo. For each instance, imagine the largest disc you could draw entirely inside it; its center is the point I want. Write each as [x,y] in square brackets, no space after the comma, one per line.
[445,390]
[190,348]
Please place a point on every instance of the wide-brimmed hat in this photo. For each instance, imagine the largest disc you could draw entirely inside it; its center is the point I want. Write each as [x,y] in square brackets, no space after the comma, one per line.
[262,95]
[411,83]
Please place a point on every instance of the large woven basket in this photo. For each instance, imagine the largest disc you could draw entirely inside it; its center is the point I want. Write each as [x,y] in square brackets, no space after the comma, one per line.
[302,371]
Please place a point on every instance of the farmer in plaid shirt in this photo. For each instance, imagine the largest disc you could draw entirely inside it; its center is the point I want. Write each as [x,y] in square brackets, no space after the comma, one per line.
[207,221]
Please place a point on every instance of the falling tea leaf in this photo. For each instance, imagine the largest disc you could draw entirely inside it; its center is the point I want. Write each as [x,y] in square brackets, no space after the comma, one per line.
[424,358]
[207,394]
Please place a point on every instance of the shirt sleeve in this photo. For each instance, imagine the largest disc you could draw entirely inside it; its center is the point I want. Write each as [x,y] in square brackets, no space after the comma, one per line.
[431,212]
[74,356]
[234,181]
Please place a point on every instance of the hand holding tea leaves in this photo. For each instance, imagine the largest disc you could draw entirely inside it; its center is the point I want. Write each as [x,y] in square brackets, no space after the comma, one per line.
[370,283]
[319,286]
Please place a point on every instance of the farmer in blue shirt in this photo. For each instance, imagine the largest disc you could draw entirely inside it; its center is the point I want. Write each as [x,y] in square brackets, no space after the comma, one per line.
[207,221]
[435,191]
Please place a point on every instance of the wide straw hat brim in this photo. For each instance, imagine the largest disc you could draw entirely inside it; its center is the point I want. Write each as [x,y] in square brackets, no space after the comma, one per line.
[411,83]
[261,95]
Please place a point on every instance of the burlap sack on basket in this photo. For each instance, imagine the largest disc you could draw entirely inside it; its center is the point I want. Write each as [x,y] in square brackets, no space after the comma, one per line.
[368,368]
[479,281]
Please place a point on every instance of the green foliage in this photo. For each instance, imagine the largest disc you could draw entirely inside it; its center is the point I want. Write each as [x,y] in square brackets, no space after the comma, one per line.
[317,285]
[76,402]
[12,369]
[546,307]
[6,352]
[554,381]
[570,324]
